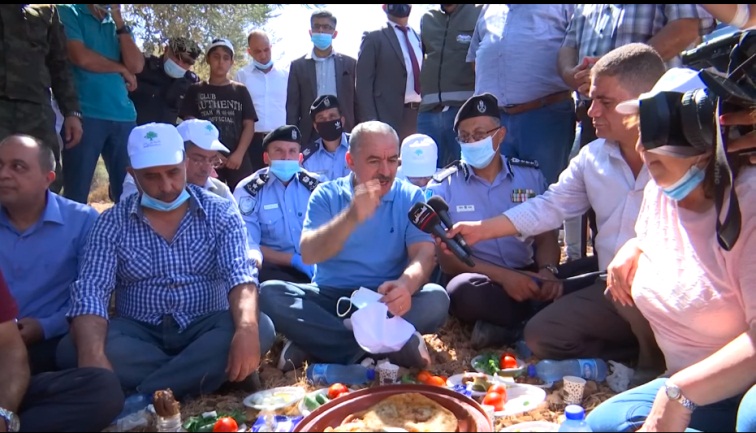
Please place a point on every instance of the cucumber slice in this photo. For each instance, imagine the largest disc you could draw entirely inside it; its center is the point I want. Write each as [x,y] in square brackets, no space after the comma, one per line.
[311,402]
[321,399]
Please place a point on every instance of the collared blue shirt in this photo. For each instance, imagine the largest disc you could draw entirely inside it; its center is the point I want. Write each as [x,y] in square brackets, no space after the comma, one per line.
[102,95]
[41,263]
[376,251]
[275,215]
[327,165]
[514,47]
[472,198]
[186,278]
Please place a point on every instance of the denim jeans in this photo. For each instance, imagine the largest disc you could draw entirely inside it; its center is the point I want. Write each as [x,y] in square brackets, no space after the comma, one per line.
[105,137]
[440,127]
[306,315]
[629,410]
[544,135]
[191,362]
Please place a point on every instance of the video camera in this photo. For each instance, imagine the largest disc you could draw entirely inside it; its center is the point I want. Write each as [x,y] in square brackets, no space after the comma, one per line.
[691,119]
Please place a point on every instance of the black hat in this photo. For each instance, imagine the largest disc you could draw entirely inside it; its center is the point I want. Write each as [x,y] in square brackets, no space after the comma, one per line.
[479,105]
[288,133]
[322,103]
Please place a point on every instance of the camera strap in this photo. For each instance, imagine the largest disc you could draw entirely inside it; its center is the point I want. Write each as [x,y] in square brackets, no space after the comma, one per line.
[728,230]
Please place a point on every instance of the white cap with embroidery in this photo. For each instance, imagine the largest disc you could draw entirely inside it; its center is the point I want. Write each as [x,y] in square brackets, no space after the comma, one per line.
[202,133]
[155,145]
[419,155]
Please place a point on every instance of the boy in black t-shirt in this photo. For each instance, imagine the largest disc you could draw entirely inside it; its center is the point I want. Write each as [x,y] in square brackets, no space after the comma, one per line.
[229,106]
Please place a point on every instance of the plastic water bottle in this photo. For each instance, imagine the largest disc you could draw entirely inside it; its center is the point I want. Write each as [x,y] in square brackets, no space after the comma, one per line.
[575,420]
[328,374]
[549,370]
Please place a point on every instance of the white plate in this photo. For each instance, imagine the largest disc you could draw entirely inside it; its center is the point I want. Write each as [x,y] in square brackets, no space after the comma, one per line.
[521,398]
[532,426]
[521,366]
[303,409]
[457,380]
[276,398]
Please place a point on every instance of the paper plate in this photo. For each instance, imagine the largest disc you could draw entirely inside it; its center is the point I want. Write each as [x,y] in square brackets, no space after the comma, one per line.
[303,408]
[457,380]
[521,367]
[521,398]
[276,398]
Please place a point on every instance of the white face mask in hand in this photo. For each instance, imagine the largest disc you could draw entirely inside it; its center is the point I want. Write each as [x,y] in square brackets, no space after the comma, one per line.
[376,333]
[360,298]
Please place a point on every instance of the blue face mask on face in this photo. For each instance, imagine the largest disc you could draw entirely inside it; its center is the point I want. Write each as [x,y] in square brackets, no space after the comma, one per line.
[683,187]
[480,153]
[322,40]
[262,66]
[152,203]
[172,69]
[284,169]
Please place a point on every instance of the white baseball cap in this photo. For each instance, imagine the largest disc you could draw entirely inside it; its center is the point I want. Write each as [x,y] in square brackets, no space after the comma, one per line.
[154,145]
[419,155]
[202,133]
[221,42]
[674,80]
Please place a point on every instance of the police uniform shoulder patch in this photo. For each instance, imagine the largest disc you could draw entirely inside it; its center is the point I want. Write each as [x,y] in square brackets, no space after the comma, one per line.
[523,162]
[259,179]
[447,171]
[310,150]
[309,180]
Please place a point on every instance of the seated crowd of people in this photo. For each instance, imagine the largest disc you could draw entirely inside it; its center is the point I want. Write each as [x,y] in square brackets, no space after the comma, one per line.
[257,217]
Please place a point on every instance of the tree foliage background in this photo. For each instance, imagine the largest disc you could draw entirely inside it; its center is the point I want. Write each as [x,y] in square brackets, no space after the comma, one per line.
[154,24]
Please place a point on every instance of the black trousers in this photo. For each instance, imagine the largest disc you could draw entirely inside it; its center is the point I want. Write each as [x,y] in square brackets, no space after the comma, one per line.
[75,400]
[42,355]
[271,272]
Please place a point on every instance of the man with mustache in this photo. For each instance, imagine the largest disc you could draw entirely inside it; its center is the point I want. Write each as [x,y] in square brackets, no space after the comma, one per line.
[347,220]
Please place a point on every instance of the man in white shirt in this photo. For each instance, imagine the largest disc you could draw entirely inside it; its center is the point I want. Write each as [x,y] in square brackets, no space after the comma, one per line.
[201,145]
[609,176]
[266,82]
[388,73]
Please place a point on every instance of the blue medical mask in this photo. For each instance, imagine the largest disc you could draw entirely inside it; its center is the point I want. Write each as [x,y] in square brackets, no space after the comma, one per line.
[161,206]
[480,153]
[683,187]
[262,66]
[322,40]
[284,169]
[172,69]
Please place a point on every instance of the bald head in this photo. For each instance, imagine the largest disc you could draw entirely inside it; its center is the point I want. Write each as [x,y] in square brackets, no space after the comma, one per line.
[45,155]
[258,34]
[259,48]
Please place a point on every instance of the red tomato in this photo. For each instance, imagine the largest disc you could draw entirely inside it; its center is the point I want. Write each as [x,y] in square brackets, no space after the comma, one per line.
[436,381]
[423,376]
[499,388]
[507,362]
[494,399]
[225,424]
[335,390]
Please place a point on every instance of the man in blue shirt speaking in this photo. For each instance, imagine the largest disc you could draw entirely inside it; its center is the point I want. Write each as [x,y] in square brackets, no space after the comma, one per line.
[357,232]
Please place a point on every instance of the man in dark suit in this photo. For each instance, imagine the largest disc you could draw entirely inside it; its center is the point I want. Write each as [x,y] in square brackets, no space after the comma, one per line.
[320,72]
[388,73]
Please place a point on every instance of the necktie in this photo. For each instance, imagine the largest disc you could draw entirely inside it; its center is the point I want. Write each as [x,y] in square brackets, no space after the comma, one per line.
[413,59]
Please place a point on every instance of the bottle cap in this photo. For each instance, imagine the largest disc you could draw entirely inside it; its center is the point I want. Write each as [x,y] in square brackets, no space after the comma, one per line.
[574,412]
[532,371]
[371,374]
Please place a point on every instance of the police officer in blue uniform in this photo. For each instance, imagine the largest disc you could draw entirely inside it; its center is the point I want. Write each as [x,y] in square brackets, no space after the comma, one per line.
[273,203]
[494,294]
[163,82]
[326,156]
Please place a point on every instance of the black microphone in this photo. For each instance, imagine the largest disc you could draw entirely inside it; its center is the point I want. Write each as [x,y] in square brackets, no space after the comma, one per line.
[442,209]
[423,217]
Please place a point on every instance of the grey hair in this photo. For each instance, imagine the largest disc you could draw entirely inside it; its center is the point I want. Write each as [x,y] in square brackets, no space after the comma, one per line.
[636,66]
[46,155]
[372,127]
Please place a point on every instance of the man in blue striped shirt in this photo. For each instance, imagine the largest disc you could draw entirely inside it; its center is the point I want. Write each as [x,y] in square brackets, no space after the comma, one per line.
[186,293]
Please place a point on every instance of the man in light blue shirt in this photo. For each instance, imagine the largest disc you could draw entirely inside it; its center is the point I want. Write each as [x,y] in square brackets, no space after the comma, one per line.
[326,156]
[273,203]
[105,60]
[42,237]
[358,233]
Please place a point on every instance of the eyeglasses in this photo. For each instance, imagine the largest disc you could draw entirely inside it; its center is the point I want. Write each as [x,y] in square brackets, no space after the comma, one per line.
[214,162]
[466,138]
[318,28]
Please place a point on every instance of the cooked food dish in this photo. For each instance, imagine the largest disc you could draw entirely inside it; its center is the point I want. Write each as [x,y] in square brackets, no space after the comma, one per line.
[412,412]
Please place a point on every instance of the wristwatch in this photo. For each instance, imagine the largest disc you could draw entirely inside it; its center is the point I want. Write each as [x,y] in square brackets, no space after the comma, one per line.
[675,393]
[553,269]
[125,30]
[74,114]
[11,419]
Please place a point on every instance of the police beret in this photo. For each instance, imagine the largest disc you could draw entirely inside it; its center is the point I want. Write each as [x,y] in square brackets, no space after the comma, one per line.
[479,105]
[288,133]
[185,45]
[324,102]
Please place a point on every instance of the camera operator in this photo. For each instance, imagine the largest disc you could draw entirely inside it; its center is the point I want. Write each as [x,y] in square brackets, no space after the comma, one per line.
[698,297]
[742,16]
[745,117]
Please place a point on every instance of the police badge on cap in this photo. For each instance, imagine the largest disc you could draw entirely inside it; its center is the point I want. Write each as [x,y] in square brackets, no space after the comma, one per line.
[322,103]
[480,105]
[283,133]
